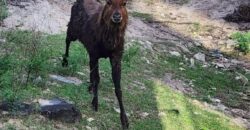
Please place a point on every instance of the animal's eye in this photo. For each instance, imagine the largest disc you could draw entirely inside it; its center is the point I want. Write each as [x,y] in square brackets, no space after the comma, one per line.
[124,4]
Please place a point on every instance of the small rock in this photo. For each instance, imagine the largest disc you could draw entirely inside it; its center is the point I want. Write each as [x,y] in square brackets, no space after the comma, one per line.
[221,107]
[175,53]
[200,56]
[90,119]
[144,114]
[246,98]
[197,44]
[219,65]
[242,78]
[181,69]
[215,100]
[192,63]
[117,110]
[239,112]
[162,114]
[216,53]
[93,128]
[38,80]
[81,73]
[69,80]
[47,91]
[2,40]
[5,113]
[235,61]
[231,43]
[197,113]
[88,128]
[210,37]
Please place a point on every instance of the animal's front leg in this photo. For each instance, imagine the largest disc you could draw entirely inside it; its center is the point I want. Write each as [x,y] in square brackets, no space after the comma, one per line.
[66,55]
[116,76]
[94,81]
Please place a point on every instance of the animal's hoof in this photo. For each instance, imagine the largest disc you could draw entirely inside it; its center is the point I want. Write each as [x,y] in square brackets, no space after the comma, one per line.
[125,123]
[65,63]
[95,104]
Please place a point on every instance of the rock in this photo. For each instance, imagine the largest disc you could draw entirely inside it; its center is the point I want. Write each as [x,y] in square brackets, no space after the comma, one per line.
[90,119]
[210,37]
[215,100]
[117,110]
[242,78]
[181,69]
[81,73]
[175,53]
[192,63]
[234,61]
[88,128]
[221,107]
[216,53]
[93,128]
[239,112]
[58,109]
[38,80]
[69,80]
[162,114]
[231,43]
[200,56]
[5,113]
[144,114]
[16,108]
[2,41]
[219,65]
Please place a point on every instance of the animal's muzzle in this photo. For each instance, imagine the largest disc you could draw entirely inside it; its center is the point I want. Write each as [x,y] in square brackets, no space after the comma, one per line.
[116,18]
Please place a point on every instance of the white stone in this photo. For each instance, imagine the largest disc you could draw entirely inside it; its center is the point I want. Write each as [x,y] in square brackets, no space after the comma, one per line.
[175,53]
[200,56]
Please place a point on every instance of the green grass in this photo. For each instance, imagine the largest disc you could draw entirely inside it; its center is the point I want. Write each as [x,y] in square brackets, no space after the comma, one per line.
[243,40]
[143,16]
[180,112]
[16,62]
[208,82]
[3,10]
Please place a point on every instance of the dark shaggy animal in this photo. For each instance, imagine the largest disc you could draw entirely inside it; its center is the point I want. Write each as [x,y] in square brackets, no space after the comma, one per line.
[101,29]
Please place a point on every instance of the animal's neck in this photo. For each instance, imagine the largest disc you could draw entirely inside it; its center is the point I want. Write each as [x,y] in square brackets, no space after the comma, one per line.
[112,36]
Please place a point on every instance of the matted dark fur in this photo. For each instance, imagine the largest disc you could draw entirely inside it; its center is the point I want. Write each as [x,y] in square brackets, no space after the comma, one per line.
[101,29]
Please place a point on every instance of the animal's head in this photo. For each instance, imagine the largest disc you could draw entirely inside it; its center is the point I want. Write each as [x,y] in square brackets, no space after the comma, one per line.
[115,12]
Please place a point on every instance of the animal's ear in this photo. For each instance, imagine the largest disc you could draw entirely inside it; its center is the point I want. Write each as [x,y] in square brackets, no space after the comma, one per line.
[109,2]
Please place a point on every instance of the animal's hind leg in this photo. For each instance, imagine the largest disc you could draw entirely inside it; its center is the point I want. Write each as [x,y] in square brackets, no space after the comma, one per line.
[66,55]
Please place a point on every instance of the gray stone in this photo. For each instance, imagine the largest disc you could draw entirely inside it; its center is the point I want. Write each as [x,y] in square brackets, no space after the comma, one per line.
[2,41]
[200,56]
[58,109]
[175,53]
[69,80]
